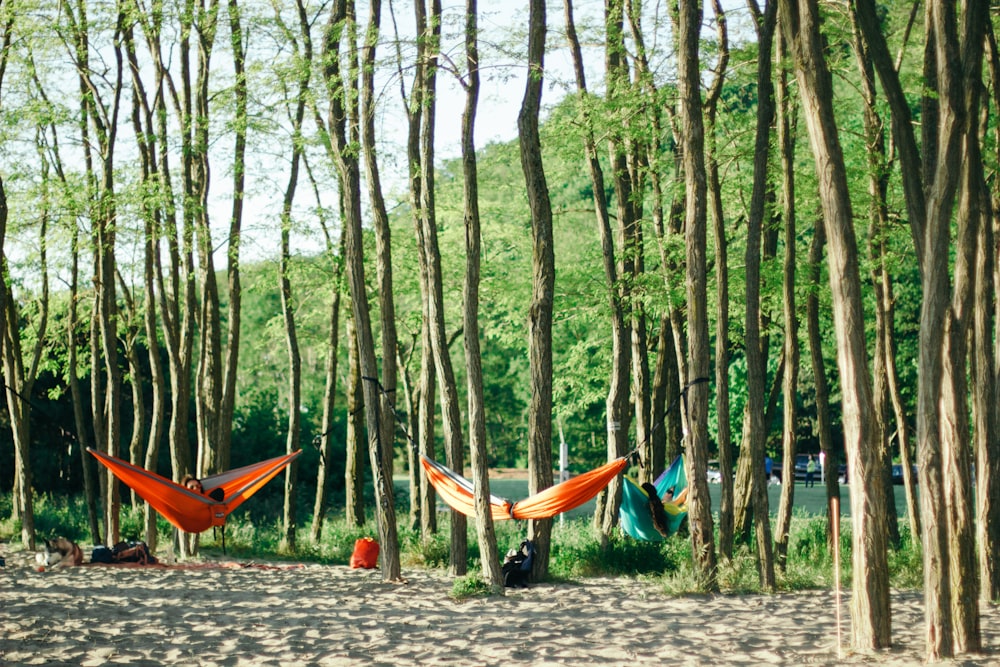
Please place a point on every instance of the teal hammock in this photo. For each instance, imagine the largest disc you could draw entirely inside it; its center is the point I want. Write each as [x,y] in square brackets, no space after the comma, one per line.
[634,514]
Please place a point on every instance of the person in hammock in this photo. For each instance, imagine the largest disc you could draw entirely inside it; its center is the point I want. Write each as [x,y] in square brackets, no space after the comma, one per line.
[193,483]
[680,502]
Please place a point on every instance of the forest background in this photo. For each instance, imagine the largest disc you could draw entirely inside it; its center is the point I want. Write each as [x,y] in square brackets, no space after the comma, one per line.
[231,230]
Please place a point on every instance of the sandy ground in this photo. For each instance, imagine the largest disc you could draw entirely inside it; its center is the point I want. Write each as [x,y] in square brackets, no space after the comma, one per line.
[257,614]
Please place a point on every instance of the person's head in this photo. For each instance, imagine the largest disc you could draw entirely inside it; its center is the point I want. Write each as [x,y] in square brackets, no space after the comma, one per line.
[669,494]
[193,483]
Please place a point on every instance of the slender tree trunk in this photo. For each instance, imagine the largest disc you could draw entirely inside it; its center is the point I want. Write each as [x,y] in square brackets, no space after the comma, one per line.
[412,425]
[297,115]
[238,43]
[789,440]
[983,376]
[354,474]
[489,555]
[870,599]
[324,478]
[617,403]
[751,481]
[383,241]
[427,385]
[452,419]
[722,341]
[543,285]
[821,388]
[209,380]
[350,178]
[693,133]
[878,228]
[76,392]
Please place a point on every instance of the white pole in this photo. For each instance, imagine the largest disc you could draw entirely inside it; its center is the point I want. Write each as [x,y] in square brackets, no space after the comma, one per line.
[835,511]
[563,463]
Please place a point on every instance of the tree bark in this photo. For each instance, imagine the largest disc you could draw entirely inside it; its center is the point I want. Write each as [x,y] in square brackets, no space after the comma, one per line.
[543,286]
[693,133]
[751,482]
[983,376]
[349,172]
[324,478]
[870,613]
[297,114]
[489,555]
[383,238]
[789,439]
[354,472]
[447,386]
[617,402]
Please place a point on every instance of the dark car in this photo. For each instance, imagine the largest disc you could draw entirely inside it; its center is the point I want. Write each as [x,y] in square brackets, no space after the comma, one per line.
[801,461]
[897,473]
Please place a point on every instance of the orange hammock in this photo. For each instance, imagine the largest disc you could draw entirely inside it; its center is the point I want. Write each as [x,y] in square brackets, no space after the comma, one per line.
[189,510]
[459,493]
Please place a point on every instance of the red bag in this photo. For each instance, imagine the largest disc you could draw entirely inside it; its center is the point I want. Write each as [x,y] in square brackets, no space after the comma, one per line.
[365,553]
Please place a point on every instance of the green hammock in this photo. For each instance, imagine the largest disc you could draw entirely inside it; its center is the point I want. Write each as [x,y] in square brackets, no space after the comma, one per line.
[634,514]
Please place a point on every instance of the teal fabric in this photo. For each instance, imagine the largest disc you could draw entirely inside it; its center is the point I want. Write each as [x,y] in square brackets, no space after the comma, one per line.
[634,515]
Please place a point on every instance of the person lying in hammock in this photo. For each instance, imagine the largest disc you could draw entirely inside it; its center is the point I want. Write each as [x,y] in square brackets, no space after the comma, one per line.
[193,483]
[658,508]
[680,502]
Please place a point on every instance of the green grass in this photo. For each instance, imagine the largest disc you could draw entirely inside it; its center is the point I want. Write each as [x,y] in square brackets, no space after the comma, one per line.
[576,550]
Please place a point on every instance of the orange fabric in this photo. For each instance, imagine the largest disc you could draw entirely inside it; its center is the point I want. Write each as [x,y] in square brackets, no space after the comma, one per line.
[458,492]
[365,553]
[189,510]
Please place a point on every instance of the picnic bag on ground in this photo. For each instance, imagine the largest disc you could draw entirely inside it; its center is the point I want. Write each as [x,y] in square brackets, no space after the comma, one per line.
[516,568]
[365,553]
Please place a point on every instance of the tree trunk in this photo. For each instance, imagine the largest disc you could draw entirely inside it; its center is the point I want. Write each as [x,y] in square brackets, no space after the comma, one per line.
[412,425]
[693,133]
[76,392]
[984,378]
[543,286]
[383,240]
[426,390]
[878,218]
[751,481]
[871,628]
[235,288]
[789,439]
[209,377]
[952,68]
[617,403]
[722,342]
[297,114]
[452,418]
[324,478]
[354,474]
[350,177]
[489,555]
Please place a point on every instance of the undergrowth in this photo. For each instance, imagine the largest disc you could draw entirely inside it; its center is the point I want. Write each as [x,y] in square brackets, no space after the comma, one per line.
[577,552]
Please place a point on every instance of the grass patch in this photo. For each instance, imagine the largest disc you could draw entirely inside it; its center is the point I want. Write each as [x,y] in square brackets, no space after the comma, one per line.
[577,550]
[471,586]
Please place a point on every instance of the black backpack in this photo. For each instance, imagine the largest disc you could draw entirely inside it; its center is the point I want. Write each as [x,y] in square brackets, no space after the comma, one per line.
[132,552]
[102,554]
[516,566]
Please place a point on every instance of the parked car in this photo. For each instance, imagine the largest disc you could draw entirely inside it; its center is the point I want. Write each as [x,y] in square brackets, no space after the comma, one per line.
[714,475]
[801,461]
[897,473]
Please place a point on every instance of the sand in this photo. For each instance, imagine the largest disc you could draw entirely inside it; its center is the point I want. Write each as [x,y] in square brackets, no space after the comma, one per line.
[226,613]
